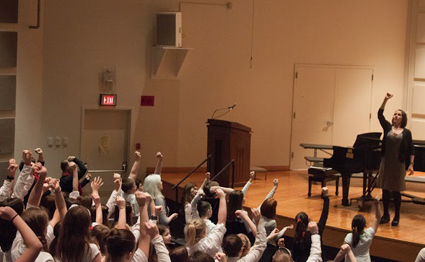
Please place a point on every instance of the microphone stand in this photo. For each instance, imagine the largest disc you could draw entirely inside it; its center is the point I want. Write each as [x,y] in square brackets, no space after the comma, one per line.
[218,109]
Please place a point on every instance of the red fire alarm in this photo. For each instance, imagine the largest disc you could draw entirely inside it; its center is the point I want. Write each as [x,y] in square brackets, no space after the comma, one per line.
[147,101]
[108,100]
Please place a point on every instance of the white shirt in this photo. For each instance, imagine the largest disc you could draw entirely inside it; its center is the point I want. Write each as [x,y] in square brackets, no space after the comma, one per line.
[211,243]
[361,251]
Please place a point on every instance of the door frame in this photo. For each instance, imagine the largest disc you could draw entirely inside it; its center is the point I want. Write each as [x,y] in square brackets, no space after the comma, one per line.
[118,108]
[323,66]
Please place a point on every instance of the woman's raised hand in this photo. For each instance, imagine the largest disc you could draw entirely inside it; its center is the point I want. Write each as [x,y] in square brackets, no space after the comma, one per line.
[388,96]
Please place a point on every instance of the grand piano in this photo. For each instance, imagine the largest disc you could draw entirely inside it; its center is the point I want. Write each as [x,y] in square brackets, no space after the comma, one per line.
[364,157]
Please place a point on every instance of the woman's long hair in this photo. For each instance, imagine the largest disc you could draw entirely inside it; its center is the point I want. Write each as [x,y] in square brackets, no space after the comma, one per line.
[358,224]
[235,203]
[187,193]
[38,220]
[74,237]
[151,186]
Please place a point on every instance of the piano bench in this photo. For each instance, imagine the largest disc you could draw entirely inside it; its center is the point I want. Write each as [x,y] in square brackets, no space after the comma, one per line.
[322,175]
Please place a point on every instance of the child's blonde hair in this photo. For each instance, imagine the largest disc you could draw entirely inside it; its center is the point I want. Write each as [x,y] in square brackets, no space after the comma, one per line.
[195,230]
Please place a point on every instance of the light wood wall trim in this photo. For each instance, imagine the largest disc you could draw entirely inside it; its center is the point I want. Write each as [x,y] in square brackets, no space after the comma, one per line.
[150,170]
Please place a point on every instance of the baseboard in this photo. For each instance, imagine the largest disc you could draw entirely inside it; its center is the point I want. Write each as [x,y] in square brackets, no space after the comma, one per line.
[151,170]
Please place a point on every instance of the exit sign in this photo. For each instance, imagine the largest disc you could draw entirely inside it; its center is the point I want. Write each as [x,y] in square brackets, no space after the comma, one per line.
[108,100]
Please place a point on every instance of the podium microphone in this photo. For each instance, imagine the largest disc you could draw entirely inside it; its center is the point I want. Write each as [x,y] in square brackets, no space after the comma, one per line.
[229,108]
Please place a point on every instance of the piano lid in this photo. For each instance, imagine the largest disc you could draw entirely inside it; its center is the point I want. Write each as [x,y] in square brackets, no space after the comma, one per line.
[368,141]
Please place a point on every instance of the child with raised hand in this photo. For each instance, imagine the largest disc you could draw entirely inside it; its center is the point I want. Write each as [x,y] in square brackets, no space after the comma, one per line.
[360,239]
[6,189]
[34,245]
[233,246]
[196,233]
[74,243]
[25,179]
[7,230]
[66,180]
[302,239]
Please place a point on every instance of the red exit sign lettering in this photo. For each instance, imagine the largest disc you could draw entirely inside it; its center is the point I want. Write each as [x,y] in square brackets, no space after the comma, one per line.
[108,100]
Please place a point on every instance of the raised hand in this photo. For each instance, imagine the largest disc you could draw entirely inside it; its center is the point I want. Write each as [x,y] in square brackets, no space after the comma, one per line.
[251,175]
[388,96]
[221,257]
[159,155]
[220,193]
[276,182]
[140,198]
[208,176]
[273,234]
[38,150]
[41,171]
[239,214]
[158,210]
[26,156]
[152,229]
[281,242]
[121,202]
[345,248]
[325,192]
[256,215]
[71,158]
[173,216]
[12,161]
[7,213]
[72,166]
[138,155]
[96,199]
[11,170]
[96,184]
[312,227]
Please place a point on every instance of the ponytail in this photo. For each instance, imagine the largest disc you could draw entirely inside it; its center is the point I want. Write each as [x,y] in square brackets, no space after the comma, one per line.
[195,230]
[358,224]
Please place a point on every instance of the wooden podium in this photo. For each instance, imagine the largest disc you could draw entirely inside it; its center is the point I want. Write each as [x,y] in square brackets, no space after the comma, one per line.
[227,141]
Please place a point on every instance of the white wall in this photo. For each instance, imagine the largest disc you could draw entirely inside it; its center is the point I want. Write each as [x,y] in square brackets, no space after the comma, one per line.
[80,37]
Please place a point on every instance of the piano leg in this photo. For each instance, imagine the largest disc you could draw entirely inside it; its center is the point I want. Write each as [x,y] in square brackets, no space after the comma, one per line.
[346,177]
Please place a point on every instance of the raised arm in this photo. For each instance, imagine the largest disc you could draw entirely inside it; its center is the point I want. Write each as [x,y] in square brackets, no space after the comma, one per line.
[315,249]
[116,192]
[39,151]
[158,167]
[82,169]
[222,210]
[378,214]
[35,195]
[248,183]
[75,192]
[144,237]
[61,209]
[272,191]
[25,179]
[136,165]
[32,242]
[95,185]
[325,210]
[387,97]
[6,189]
[158,242]
[247,221]
[260,244]
[122,216]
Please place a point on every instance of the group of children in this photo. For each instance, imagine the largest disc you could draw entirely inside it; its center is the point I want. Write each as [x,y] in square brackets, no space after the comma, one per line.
[48,219]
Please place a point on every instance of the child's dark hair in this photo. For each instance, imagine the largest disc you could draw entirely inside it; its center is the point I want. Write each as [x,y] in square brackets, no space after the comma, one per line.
[162,229]
[48,202]
[207,188]
[179,254]
[98,235]
[119,242]
[71,201]
[86,201]
[232,245]
[7,229]
[203,207]
[54,243]
[128,209]
[38,220]
[105,210]
[235,203]
[268,208]
[302,237]
[127,184]
[199,256]
[358,224]
[187,193]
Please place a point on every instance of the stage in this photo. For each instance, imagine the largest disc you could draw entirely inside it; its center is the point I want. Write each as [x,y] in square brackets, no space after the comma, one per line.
[397,243]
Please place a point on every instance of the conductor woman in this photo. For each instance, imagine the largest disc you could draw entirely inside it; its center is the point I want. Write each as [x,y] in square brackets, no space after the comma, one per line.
[398,155]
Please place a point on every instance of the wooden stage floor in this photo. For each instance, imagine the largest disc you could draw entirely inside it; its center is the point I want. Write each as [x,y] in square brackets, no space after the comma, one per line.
[400,243]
